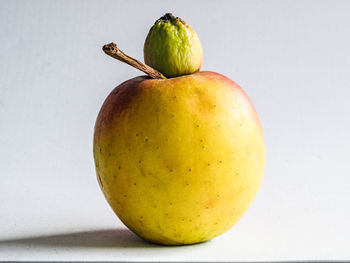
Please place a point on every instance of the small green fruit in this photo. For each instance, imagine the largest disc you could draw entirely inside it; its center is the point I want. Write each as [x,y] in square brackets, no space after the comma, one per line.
[173,47]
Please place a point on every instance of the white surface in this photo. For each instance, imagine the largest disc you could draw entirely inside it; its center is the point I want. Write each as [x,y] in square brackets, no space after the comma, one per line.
[291,57]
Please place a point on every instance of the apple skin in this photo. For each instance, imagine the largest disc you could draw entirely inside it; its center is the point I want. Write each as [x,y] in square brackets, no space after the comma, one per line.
[179,160]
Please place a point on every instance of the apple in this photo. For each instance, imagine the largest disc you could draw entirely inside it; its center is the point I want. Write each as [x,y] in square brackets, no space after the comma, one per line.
[178,159]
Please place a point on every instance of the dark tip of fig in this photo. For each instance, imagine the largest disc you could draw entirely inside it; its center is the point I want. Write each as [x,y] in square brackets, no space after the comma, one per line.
[166,17]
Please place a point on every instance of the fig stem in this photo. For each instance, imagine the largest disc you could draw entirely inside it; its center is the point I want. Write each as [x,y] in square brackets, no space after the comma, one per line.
[112,50]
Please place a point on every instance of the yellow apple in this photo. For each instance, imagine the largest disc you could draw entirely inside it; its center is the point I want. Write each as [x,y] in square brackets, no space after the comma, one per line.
[179,160]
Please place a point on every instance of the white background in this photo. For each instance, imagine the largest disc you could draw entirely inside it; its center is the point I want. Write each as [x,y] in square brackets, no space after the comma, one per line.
[291,57]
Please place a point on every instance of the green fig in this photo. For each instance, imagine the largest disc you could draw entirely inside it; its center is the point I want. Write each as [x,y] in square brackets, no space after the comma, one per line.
[173,47]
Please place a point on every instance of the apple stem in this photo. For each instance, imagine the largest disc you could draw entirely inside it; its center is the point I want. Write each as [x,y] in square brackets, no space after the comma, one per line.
[112,50]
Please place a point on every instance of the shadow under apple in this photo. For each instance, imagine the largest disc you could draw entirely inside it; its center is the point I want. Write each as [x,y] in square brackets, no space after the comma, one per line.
[106,238]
